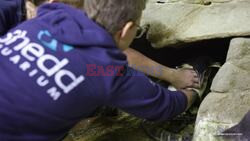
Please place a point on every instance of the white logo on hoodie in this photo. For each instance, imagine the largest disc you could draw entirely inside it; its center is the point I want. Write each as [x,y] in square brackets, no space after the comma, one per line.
[25,54]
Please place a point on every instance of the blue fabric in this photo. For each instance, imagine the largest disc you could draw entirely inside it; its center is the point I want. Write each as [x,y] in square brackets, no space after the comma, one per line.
[11,13]
[58,68]
[239,132]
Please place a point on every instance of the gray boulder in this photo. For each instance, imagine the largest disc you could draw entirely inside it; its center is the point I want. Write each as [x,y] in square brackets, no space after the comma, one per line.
[229,100]
[183,21]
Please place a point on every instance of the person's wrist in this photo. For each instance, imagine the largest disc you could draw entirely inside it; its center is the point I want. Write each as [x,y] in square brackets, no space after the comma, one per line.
[169,75]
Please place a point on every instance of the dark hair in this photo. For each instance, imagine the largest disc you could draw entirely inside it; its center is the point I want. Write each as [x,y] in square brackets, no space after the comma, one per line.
[74,3]
[38,2]
[114,14]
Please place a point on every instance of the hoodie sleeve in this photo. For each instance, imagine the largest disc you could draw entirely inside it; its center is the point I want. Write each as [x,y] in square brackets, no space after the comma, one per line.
[138,95]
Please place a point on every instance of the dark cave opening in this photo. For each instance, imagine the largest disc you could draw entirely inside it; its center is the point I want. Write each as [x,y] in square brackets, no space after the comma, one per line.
[175,56]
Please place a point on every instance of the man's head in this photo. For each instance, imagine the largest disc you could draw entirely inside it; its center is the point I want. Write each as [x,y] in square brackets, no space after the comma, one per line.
[119,17]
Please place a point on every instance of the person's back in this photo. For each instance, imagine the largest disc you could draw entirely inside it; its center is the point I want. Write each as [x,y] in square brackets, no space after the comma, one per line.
[60,67]
[43,83]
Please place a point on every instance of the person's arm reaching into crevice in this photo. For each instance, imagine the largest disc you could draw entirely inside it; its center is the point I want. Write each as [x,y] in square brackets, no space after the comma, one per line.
[138,95]
[179,78]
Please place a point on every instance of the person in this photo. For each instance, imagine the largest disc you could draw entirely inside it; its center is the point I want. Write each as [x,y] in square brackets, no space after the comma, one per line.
[11,13]
[62,65]
[179,78]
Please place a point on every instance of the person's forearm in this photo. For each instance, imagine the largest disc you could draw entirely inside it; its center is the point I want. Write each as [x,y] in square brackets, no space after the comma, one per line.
[146,65]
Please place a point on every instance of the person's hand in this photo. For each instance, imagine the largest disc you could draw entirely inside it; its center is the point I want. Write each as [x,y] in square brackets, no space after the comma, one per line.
[184,78]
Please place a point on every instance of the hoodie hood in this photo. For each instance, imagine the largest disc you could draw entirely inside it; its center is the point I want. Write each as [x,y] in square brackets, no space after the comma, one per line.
[72,26]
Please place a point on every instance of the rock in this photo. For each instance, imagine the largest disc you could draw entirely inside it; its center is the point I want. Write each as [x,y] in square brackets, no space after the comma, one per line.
[239,53]
[229,100]
[183,21]
[203,2]
[233,77]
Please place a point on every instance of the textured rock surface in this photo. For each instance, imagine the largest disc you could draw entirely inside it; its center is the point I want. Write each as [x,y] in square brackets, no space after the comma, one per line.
[230,97]
[204,2]
[183,21]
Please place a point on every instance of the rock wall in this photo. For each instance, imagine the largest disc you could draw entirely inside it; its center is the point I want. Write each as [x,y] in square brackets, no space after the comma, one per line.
[184,21]
[229,100]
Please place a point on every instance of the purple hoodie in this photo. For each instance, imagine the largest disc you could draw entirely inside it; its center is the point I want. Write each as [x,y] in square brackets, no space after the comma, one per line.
[58,68]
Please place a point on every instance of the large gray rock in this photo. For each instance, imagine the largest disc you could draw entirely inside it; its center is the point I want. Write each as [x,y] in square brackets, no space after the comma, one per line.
[181,21]
[202,2]
[229,100]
